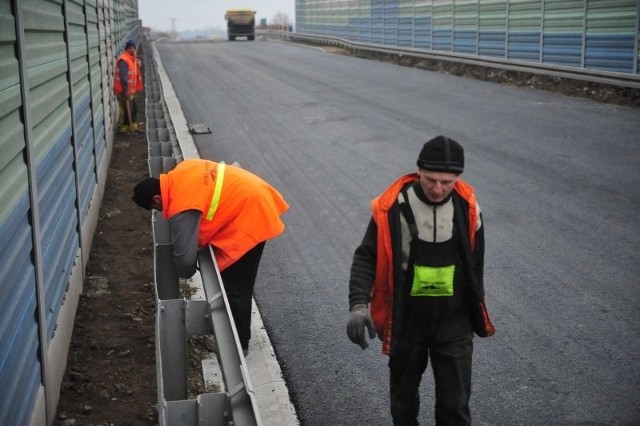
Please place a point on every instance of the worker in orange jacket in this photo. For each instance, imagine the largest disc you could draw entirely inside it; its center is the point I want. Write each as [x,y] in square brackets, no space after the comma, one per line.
[417,282]
[126,84]
[227,207]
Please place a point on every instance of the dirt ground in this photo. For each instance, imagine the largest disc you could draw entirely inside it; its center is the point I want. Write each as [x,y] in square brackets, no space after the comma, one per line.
[111,372]
[111,377]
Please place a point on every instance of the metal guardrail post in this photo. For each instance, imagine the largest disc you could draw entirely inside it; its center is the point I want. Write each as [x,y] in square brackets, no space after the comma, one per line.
[166,277]
[177,320]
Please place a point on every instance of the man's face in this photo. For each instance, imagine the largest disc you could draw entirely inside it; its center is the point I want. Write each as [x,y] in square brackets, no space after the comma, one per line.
[132,50]
[437,185]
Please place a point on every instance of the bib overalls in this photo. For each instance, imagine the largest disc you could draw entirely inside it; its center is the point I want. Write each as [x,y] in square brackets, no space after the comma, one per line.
[435,324]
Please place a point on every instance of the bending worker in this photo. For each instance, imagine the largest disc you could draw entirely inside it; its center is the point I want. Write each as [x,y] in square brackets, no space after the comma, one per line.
[417,282]
[127,83]
[231,209]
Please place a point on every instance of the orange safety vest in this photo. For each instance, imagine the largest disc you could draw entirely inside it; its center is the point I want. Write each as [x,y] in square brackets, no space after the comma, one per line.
[134,77]
[239,209]
[381,307]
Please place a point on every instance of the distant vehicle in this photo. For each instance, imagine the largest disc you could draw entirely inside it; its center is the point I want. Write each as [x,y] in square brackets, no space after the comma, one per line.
[240,23]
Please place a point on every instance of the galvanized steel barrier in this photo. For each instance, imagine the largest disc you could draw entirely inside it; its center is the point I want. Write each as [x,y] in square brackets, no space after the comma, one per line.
[177,318]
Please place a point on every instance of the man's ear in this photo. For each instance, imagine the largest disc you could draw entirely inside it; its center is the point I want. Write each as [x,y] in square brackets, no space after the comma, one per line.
[157,201]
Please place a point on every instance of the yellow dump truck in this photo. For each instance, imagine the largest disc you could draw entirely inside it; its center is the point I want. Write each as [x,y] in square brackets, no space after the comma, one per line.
[240,23]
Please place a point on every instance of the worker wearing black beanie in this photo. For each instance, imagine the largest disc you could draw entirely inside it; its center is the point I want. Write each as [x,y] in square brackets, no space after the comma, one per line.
[442,154]
[145,191]
[417,283]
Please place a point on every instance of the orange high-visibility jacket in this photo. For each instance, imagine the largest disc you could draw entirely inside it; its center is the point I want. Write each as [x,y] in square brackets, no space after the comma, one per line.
[134,77]
[382,294]
[239,209]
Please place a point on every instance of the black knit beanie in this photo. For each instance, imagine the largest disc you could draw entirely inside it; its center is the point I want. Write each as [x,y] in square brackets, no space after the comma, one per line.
[144,192]
[442,154]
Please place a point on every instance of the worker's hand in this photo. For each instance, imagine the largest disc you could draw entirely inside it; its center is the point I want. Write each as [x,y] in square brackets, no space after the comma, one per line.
[360,319]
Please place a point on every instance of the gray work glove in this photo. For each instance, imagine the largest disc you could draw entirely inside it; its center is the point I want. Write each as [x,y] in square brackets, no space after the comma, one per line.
[360,319]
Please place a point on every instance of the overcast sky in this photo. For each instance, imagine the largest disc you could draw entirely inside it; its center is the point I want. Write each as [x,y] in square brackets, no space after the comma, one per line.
[200,14]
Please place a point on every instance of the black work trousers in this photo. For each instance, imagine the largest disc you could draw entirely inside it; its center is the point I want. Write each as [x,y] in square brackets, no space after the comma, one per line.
[239,279]
[450,346]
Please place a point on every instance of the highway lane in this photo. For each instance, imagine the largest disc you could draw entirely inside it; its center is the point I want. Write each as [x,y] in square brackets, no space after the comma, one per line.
[557,179]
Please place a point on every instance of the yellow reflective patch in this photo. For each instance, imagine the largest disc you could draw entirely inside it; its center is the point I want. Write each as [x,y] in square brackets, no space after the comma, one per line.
[433,280]
[216,192]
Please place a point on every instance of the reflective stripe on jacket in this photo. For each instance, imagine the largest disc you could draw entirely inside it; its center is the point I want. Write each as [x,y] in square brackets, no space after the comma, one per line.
[382,294]
[134,79]
[244,210]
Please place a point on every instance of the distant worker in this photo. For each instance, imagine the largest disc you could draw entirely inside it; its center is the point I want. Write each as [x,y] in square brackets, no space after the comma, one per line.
[127,83]
[417,281]
[227,207]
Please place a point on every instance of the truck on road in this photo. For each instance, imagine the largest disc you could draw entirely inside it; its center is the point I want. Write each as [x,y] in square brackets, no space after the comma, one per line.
[240,23]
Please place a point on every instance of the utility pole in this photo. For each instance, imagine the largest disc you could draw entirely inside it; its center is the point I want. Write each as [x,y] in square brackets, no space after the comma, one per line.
[174,32]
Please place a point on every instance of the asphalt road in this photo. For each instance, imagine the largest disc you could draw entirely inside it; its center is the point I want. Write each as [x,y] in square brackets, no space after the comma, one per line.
[557,178]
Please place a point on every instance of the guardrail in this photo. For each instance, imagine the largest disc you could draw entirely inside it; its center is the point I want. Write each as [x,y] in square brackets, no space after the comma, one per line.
[594,76]
[177,318]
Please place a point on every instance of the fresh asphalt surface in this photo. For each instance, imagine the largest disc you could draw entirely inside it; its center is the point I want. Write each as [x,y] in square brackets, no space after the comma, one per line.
[557,179]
